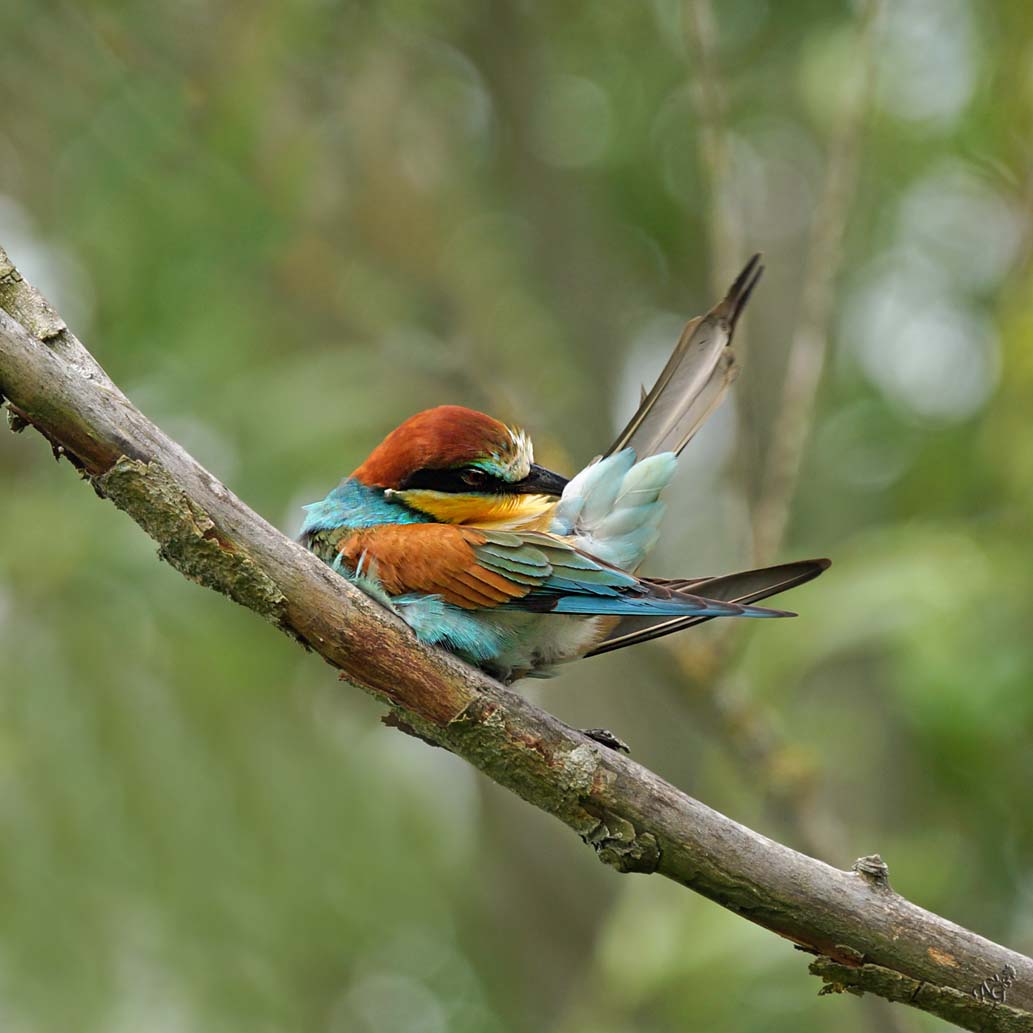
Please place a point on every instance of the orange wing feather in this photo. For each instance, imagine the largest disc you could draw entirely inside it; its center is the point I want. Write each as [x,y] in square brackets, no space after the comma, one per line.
[432,559]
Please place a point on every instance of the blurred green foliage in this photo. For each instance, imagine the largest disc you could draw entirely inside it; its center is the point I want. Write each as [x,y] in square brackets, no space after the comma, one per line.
[282,228]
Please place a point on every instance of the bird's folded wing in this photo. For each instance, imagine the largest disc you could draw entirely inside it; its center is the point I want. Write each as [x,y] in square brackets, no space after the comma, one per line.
[440,559]
[475,568]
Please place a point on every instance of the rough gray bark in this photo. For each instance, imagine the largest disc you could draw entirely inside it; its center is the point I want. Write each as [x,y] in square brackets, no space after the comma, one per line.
[868,936]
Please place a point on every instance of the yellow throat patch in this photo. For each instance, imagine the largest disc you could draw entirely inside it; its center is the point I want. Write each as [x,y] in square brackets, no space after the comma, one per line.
[500,512]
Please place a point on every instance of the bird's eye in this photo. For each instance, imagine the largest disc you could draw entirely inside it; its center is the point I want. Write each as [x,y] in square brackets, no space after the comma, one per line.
[474,478]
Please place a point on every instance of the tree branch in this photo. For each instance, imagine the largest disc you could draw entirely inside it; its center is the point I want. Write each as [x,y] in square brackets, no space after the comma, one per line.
[635,821]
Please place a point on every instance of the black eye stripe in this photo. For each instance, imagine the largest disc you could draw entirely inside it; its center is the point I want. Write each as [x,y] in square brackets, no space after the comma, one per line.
[452,481]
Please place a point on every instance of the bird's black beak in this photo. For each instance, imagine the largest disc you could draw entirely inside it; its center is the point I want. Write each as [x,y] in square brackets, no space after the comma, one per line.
[539,481]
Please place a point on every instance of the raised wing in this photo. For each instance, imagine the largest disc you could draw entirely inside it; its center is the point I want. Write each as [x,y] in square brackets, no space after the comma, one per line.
[695,379]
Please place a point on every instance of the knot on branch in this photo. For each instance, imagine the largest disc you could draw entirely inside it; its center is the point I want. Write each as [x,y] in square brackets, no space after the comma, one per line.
[15,422]
[402,720]
[874,870]
[619,844]
[187,537]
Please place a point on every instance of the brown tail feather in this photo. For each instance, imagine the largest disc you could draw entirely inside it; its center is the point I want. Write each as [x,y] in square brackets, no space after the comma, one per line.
[747,586]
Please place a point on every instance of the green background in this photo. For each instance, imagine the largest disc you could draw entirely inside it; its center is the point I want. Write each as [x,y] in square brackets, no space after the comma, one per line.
[284,226]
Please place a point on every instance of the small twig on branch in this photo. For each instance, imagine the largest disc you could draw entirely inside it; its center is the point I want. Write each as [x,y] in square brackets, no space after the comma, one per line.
[635,821]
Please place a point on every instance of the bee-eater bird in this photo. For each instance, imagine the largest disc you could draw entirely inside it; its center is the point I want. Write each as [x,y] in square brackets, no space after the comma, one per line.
[452,525]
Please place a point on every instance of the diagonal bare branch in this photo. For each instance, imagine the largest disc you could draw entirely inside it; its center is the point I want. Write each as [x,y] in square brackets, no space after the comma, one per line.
[633,819]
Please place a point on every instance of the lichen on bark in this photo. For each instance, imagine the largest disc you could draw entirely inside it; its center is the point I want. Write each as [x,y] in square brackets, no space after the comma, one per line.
[187,537]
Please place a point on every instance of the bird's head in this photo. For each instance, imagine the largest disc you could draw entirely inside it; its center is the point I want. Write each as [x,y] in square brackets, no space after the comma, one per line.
[460,466]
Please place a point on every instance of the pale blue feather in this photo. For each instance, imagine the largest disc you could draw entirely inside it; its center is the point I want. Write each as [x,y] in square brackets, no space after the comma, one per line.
[611,508]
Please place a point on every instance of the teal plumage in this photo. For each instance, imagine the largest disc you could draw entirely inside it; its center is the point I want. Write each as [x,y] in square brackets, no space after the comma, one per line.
[350,506]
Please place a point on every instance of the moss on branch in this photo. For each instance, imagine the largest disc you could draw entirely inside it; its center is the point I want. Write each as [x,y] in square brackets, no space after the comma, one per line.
[187,537]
